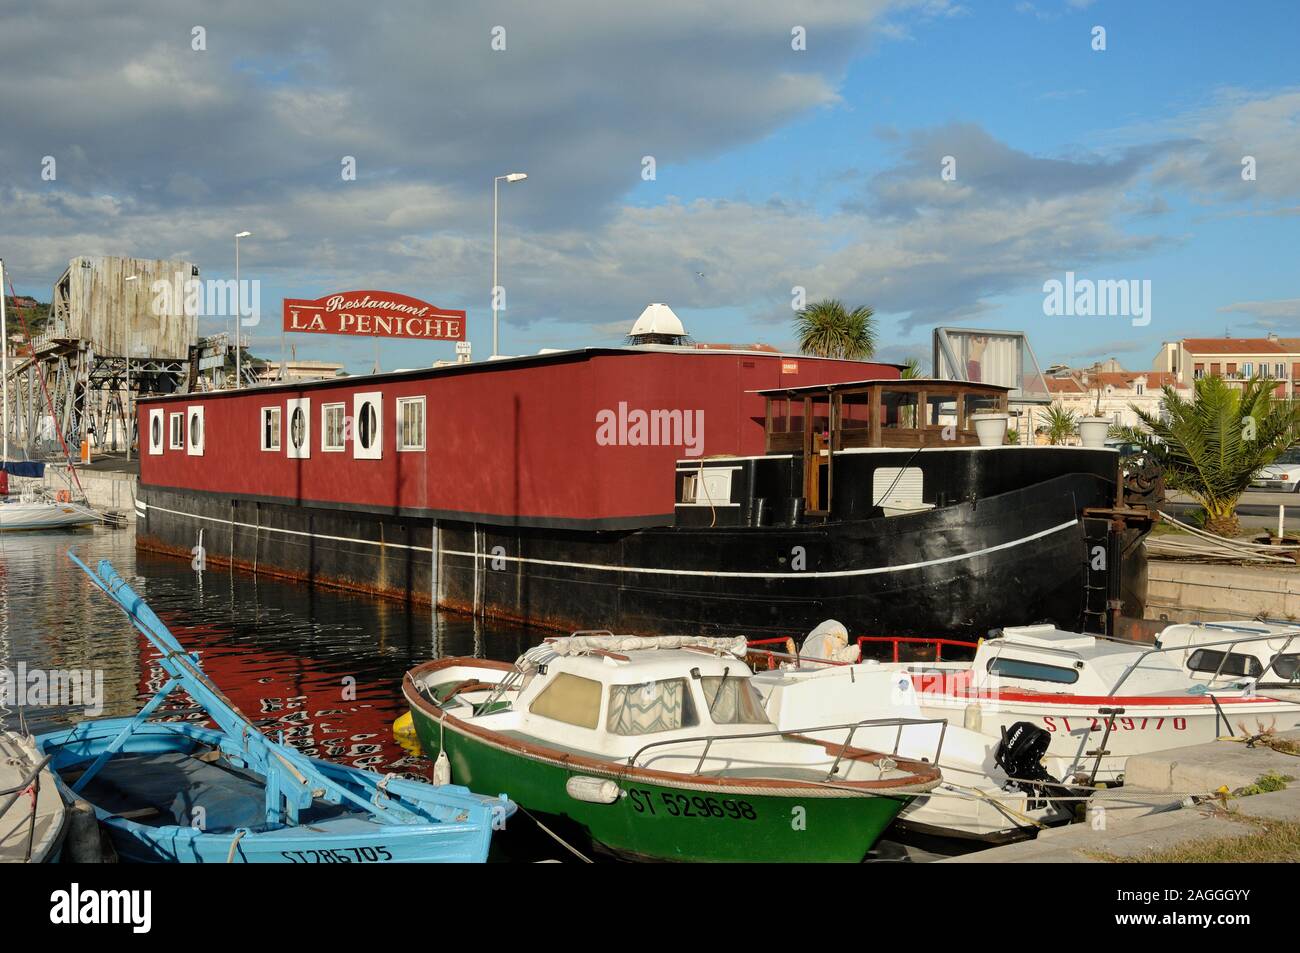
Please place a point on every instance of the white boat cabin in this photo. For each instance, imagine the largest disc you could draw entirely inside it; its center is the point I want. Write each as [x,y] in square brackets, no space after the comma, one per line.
[613,703]
[1266,652]
[1046,660]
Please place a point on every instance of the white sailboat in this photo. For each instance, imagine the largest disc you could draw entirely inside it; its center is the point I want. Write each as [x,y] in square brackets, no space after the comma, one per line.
[34,508]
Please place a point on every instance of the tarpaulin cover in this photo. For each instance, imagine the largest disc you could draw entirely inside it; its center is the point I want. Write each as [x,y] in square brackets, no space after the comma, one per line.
[24,468]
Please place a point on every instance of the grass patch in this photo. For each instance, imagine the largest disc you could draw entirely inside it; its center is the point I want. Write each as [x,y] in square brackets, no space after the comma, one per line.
[1272,842]
[1265,784]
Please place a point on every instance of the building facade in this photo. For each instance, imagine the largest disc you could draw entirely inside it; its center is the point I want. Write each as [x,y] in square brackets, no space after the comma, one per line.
[1234,360]
[1108,390]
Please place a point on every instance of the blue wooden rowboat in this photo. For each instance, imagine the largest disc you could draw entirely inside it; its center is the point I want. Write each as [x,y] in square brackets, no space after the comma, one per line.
[179,793]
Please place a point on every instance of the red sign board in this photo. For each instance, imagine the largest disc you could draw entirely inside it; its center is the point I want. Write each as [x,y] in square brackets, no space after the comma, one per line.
[373,314]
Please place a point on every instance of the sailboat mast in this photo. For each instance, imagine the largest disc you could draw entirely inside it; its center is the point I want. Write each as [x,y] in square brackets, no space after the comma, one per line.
[4,359]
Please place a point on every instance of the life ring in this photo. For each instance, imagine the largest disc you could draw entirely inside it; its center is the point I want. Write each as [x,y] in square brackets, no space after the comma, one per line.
[63,496]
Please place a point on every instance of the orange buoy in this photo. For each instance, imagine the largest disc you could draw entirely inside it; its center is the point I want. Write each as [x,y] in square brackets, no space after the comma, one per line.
[63,496]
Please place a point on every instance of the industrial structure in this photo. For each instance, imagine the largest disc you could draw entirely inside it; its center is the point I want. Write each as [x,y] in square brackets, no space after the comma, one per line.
[113,335]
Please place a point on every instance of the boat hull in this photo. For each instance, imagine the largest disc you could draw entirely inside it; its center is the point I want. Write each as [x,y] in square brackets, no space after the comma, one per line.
[33,827]
[1154,723]
[344,837]
[17,515]
[676,822]
[960,569]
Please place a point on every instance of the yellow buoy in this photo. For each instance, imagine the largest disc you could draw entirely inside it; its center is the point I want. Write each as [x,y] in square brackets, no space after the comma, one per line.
[404,734]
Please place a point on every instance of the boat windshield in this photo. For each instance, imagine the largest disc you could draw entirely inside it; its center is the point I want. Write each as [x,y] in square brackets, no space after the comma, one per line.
[650,707]
[733,701]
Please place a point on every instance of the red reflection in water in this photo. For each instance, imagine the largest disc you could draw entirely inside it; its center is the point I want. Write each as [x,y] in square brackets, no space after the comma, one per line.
[320,712]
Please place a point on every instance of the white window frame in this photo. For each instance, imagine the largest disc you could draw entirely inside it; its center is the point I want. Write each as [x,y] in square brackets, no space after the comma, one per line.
[402,404]
[376,450]
[278,414]
[156,446]
[292,406]
[342,445]
[176,430]
[194,447]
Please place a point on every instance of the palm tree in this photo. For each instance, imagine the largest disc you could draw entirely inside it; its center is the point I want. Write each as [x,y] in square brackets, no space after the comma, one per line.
[1127,433]
[826,329]
[911,368]
[1212,445]
[1060,425]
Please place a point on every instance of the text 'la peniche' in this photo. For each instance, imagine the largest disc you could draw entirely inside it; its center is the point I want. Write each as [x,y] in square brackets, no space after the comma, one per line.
[373,313]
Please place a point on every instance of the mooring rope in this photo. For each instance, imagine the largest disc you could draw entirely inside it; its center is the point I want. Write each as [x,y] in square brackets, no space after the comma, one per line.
[558,839]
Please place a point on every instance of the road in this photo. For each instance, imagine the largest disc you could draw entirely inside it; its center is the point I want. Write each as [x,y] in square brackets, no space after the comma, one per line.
[1257,509]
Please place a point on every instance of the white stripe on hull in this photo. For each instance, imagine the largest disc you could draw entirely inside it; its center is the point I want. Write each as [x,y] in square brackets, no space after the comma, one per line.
[643,570]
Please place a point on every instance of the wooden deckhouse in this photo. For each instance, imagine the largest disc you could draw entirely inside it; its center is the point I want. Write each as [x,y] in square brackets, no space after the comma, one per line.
[820,420]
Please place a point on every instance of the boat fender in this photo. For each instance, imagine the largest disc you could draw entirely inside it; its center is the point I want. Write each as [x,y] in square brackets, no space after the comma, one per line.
[592,790]
[973,718]
[442,768]
[83,844]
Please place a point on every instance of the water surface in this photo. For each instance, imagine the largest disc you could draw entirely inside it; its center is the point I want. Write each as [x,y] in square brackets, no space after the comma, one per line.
[321,666]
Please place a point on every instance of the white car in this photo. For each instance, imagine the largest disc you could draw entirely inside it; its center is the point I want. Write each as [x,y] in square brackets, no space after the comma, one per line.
[1282,474]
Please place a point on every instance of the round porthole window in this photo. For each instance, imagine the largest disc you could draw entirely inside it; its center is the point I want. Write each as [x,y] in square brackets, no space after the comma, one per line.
[156,430]
[366,425]
[196,430]
[298,428]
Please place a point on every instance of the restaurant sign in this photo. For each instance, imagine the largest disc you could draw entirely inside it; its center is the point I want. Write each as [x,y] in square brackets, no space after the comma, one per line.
[373,314]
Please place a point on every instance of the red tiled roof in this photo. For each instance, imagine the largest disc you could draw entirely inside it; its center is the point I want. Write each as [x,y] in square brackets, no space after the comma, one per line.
[1233,346]
[1122,380]
[1065,385]
[1126,378]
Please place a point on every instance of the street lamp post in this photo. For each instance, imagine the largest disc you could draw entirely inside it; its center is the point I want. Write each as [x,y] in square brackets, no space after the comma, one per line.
[126,349]
[239,317]
[496,182]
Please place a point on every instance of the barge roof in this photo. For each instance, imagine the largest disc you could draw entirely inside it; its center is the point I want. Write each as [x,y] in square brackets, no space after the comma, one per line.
[481,367]
[895,381]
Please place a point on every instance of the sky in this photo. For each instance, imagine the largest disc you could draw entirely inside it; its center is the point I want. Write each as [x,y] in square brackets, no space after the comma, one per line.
[938,161]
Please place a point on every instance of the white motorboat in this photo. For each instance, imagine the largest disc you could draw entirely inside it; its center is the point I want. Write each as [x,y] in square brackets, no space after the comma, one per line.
[32,814]
[976,800]
[1101,700]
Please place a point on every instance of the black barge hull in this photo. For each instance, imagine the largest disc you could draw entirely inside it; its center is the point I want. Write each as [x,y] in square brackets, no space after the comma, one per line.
[1025,555]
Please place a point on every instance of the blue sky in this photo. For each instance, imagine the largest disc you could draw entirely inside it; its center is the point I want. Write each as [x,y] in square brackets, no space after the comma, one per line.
[774,168]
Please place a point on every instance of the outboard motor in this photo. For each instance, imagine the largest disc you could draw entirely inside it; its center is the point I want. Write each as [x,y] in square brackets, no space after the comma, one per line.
[1020,755]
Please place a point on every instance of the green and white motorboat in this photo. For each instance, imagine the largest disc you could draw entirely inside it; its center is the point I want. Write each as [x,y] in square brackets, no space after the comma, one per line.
[659,748]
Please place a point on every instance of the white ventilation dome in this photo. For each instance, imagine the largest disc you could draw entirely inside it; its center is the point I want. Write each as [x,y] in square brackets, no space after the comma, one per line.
[657,325]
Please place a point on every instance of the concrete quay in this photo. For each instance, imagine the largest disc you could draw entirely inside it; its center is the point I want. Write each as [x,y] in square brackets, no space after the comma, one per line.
[1180,591]
[106,490]
[1154,811]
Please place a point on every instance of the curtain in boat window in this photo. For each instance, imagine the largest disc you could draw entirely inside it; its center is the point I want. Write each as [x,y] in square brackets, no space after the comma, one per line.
[648,708]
